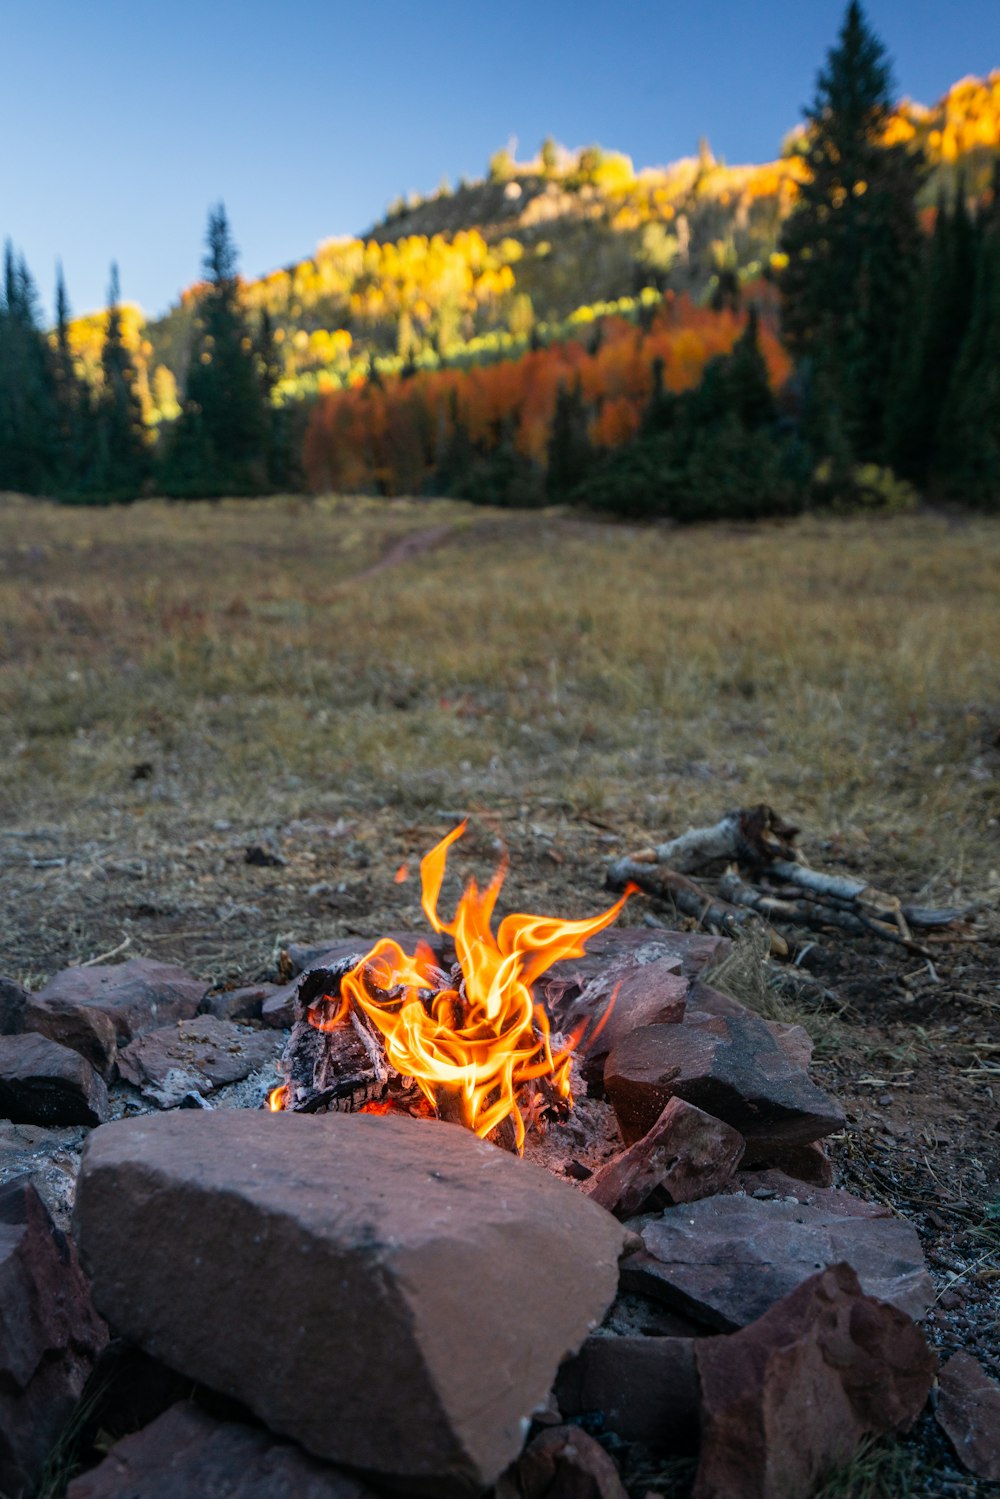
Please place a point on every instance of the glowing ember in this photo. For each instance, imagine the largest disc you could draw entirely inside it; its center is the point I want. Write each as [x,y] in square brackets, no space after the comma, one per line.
[481,1052]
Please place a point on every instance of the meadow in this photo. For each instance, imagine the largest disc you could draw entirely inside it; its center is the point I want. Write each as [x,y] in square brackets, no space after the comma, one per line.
[227,726]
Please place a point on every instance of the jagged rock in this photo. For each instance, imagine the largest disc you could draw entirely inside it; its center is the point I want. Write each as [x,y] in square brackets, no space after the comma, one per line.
[194,1056]
[237,1004]
[645,1389]
[726,1260]
[49,1336]
[13,1004]
[794,1394]
[565,1463]
[968,1411]
[97,1010]
[280,1010]
[686,1155]
[186,1452]
[809,1165]
[730,1066]
[368,1247]
[42,1082]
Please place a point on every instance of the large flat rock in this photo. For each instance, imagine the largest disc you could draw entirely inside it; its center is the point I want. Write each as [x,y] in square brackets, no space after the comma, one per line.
[393,1293]
[725,1260]
[50,1336]
[97,1010]
[968,1411]
[185,1452]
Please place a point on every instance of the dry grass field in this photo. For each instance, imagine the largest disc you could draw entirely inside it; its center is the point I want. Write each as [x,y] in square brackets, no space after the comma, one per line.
[336,681]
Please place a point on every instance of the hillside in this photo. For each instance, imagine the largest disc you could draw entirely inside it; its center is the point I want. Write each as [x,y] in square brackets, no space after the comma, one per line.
[533,250]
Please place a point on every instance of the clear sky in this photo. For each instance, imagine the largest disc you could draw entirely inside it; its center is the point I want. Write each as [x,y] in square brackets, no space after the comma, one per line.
[124,121]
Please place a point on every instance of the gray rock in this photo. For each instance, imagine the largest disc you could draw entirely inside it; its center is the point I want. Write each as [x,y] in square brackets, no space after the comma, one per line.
[727,1259]
[197,1056]
[42,1082]
[50,1336]
[237,1004]
[50,1158]
[186,1452]
[301,957]
[370,1250]
[97,1010]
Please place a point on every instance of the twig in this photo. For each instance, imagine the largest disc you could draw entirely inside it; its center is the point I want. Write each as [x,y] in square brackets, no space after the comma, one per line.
[102,957]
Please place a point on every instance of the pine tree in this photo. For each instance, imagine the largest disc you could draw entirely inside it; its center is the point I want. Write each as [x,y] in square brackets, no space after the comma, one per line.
[969,449]
[122,460]
[73,432]
[853,240]
[218,445]
[570,454]
[27,385]
[930,340]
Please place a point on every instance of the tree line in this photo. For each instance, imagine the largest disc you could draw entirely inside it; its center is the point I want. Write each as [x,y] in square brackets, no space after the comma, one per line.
[889,376]
[63,436]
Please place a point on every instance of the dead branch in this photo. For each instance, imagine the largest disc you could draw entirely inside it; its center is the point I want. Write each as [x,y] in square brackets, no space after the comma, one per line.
[689,898]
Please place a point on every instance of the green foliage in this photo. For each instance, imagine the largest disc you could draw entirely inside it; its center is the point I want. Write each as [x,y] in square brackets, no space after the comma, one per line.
[121,458]
[27,386]
[219,444]
[570,455]
[852,241]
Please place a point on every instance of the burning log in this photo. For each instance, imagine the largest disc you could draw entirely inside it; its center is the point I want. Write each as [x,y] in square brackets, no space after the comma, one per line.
[387,1030]
[758,843]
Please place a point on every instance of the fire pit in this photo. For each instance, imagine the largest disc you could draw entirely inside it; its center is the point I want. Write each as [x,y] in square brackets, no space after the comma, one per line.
[471,1043]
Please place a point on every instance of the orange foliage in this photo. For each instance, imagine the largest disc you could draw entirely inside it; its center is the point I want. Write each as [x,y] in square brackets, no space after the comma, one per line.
[392,437]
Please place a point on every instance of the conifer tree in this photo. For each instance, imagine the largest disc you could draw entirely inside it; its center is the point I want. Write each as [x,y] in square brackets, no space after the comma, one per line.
[930,339]
[853,239]
[72,438]
[27,385]
[218,445]
[122,460]
[969,447]
[570,454]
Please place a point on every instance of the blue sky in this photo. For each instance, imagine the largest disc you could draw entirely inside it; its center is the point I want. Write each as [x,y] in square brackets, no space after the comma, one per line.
[124,122]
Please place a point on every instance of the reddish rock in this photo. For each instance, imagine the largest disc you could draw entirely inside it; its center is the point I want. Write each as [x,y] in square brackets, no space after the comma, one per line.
[645,1389]
[565,1463]
[794,1394]
[726,1260]
[366,1249]
[730,1066]
[186,1452]
[768,1183]
[968,1411]
[195,1056]
[237,1004]
[280,1010]
[693,951]
[686,1155]
[42,1082]
[624,996]
[806,1164]
[97,1010]
[49,1335]
[13,1005]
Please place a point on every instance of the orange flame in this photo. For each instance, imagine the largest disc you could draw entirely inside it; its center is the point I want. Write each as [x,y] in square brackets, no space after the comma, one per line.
[471,1050]
[402,874]
[277,1098]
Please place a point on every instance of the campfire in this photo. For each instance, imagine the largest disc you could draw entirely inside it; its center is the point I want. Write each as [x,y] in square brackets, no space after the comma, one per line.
[471,1043]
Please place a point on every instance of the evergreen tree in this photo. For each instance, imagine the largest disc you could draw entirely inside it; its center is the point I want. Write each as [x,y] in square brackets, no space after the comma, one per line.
[27,385]
[969,447]
[570,454]
[853,240]
[122,460]
[219,441]
[930,339]
[72,446]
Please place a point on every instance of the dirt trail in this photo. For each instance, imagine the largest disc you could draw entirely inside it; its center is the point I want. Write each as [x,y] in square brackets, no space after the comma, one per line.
[408,547]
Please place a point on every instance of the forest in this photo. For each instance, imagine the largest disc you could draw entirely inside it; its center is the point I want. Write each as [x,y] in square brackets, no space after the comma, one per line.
[693,342]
